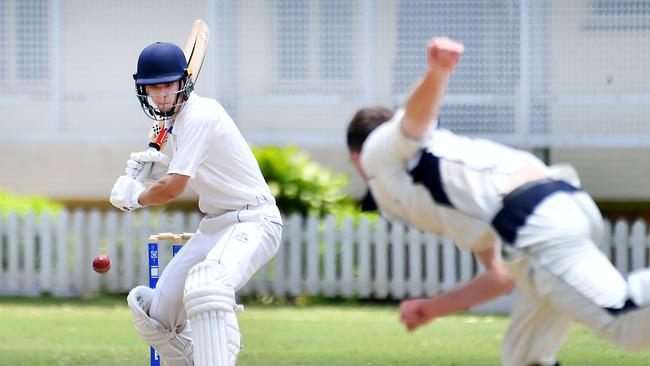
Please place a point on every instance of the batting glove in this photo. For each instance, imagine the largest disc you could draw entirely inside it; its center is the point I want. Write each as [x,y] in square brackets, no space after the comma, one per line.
[125,193]
[138,160]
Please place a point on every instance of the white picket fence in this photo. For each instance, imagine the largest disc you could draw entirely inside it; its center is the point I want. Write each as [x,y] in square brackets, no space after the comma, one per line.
[53,254]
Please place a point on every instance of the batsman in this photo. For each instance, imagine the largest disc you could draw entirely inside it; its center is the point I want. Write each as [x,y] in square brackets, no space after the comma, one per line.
[189,318]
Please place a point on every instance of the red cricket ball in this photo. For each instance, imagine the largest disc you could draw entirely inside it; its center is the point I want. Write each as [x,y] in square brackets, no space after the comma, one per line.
[101,263]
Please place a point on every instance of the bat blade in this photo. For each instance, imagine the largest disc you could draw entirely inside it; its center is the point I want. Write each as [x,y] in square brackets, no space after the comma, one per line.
[196,46]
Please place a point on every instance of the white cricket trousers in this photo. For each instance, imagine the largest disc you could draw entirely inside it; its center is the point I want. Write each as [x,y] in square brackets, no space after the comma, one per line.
[243,241]
[563,276]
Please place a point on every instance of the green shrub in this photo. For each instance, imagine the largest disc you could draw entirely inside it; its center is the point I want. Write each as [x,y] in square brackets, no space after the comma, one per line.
[301,185]
[21,204]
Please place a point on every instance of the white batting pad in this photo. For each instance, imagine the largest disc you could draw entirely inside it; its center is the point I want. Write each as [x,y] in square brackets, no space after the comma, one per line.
[210,305]
[175,349]
[639,287]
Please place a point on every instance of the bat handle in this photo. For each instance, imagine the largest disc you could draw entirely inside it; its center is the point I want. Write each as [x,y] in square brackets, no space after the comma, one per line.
[146,169]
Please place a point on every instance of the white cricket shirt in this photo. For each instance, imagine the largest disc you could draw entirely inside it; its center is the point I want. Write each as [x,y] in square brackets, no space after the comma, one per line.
[209,149]
[447,184]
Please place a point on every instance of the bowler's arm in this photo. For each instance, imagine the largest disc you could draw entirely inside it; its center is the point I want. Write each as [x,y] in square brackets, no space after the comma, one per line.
[422,105]
[492,283]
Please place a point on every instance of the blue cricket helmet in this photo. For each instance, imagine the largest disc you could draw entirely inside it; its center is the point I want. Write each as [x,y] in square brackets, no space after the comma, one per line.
[159,63]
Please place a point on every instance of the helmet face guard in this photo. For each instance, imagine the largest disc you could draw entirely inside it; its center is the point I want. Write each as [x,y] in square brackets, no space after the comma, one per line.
[150,108]
[162,63]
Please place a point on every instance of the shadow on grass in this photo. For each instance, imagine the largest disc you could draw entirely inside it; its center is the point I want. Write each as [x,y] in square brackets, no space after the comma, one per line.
[112,300]
[315,300]
[107,300]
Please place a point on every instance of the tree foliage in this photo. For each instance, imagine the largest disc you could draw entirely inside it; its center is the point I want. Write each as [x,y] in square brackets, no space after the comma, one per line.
[10,202]
[301,185]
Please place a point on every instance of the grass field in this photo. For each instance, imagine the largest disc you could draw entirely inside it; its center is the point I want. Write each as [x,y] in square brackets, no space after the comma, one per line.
[99,332]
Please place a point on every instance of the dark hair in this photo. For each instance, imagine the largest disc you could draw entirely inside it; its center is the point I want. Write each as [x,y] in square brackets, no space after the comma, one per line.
[364,122]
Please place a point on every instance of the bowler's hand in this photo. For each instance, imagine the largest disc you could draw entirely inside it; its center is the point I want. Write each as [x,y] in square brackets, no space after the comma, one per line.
[415,313]
[443,53]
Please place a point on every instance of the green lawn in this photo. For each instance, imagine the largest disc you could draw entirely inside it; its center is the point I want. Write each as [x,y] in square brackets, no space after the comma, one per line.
[99,332]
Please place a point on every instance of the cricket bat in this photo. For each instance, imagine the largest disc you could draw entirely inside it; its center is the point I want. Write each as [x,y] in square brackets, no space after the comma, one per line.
[195,50]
